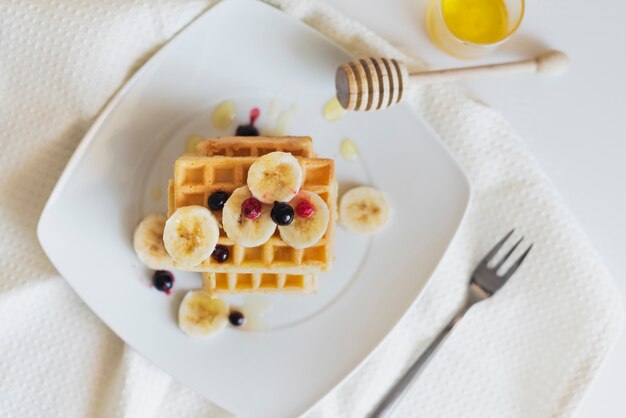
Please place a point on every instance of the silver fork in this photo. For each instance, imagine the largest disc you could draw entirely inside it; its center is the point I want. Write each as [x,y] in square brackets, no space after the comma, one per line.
[484,283]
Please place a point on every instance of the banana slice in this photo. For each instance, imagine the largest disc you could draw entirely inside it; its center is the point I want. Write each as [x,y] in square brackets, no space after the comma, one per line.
[202,314]
[363,210]
[276,176]
[190,235]
[241,230]
[305,232]
[148,243]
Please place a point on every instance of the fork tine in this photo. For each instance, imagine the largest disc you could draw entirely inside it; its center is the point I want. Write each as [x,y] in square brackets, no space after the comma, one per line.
[516,265]
[508,254]
[495,249]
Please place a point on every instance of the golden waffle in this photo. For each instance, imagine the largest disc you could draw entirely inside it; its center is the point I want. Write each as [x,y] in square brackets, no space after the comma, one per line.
[256,146]
[248,146]
[259,282]
[236,282]
[196,177]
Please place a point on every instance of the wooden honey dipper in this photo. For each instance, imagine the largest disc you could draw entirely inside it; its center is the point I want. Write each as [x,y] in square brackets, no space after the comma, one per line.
[377,83]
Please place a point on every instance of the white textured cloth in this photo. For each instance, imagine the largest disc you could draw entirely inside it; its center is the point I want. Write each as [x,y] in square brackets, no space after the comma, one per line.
[529,352]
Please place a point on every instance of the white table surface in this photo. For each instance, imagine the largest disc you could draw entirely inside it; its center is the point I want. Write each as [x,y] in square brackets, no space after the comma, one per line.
[574,125]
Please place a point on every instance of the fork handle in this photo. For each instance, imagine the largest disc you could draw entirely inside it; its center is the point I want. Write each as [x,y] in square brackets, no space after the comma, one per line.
[389,402]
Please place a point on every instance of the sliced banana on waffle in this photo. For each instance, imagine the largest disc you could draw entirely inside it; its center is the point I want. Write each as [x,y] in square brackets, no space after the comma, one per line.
[148,243]
[310,221]
[202,314]
[190,235]
[275,177]
[363,210]
[242,230]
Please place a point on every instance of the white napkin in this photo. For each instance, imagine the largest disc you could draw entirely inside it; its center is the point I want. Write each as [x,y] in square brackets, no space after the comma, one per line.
[530,351]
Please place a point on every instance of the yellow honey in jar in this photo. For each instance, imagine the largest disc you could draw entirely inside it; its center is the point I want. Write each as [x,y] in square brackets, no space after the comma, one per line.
[476,21]
[471,28]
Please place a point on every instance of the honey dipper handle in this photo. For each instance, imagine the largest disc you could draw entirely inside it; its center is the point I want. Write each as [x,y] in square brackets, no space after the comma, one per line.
[548,63]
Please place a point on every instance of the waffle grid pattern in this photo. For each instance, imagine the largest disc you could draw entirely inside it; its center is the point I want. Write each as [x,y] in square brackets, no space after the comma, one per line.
[245,146]
[259,282]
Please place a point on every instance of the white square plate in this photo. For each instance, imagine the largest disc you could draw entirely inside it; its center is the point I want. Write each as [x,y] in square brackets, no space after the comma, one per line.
[254,55]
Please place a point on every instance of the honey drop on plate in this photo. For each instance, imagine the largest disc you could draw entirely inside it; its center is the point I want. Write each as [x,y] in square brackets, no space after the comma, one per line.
[332,110]
[349,150]
[256,308]
[155,193]
[192,143]
[223,115]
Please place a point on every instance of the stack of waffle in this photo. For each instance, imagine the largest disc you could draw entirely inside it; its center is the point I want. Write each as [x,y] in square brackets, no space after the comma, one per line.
[222,165]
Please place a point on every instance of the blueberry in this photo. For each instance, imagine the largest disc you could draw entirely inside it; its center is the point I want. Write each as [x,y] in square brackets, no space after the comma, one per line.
[163,280]
[220,253]
[247,130]
[236,318]
[217,200]
[282,214]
